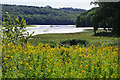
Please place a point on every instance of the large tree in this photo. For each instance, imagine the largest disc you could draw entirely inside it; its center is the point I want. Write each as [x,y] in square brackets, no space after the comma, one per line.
[107,15]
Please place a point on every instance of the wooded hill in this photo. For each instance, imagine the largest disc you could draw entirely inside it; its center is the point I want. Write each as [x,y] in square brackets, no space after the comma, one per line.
[42,15]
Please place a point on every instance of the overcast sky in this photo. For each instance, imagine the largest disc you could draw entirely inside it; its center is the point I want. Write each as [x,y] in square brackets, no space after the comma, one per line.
[83,4]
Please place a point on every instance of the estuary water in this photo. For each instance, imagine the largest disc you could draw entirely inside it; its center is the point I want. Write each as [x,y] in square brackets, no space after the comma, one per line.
[47,29]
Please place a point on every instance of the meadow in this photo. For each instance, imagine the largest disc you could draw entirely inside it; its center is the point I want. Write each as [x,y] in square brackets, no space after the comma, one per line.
[87,35]
[43,61]
[99,59]
[0,53]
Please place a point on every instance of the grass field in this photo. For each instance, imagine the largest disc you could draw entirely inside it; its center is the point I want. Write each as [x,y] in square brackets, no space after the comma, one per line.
[30,26]
[88,36]
[26,26]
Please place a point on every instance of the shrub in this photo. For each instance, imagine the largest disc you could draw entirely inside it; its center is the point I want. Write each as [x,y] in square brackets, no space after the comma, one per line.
[13,30]
[72,42]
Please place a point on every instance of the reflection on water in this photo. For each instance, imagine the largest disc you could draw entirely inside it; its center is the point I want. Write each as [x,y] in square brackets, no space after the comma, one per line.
[45,29]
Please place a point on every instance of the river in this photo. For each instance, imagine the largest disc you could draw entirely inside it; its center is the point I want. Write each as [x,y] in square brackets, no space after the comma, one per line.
[46,29]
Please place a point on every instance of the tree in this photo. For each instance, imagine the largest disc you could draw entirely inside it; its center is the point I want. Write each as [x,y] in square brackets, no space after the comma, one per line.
[106,16]
[13,30]
[84,18]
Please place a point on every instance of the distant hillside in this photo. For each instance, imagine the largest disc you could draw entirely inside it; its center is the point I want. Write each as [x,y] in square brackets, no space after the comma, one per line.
[43,15]
[72,9]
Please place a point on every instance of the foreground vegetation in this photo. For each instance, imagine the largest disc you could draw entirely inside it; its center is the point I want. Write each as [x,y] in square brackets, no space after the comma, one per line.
[73,55]
[99,59]
[43,61]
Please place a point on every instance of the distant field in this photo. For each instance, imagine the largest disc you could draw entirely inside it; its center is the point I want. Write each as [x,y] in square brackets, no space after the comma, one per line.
[26,26]
[30,26]
[88,36]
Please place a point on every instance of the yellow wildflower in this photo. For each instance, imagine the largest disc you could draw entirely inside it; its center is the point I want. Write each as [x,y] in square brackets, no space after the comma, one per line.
[5,64]
[28,57]
[83,71]
[80,66]
[70,72]
[101,76]
[51,60]
[86,65]
[31,62]
[80,55]
[76,61]
[29,67]
[5,58]
[21,62]
[108,64]
[11,63]
[79,74]
[117,65]
[26,64]
[10,69]
[14,67]
[39,66]
[11,56]
[66,63]
[43,66]
[49,70]
[46,65]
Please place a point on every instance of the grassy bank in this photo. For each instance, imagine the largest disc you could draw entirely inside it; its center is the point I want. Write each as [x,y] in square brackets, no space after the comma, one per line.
[30,26]
[87,35]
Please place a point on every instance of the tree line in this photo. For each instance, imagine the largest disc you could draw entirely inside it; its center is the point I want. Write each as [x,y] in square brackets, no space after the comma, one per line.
[42,15]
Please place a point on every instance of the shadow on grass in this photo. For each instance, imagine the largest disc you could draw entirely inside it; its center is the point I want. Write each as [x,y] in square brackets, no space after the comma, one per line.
[72,42]
[106,34]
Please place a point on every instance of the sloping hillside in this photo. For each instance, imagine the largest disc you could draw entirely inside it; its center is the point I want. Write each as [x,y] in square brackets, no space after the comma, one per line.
[43,15]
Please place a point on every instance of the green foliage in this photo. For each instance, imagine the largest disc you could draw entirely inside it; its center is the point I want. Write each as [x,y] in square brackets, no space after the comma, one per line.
[84,19]
[104,16]
[43,15]
[42,61]
[13,30]
[107,16]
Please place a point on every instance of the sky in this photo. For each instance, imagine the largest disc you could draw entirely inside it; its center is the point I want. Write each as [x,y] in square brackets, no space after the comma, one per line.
[83,4]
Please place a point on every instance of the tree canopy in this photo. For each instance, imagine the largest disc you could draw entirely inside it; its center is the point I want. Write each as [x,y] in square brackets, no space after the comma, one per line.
[43,15]
[104,16]
[84,18]
[107,15]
